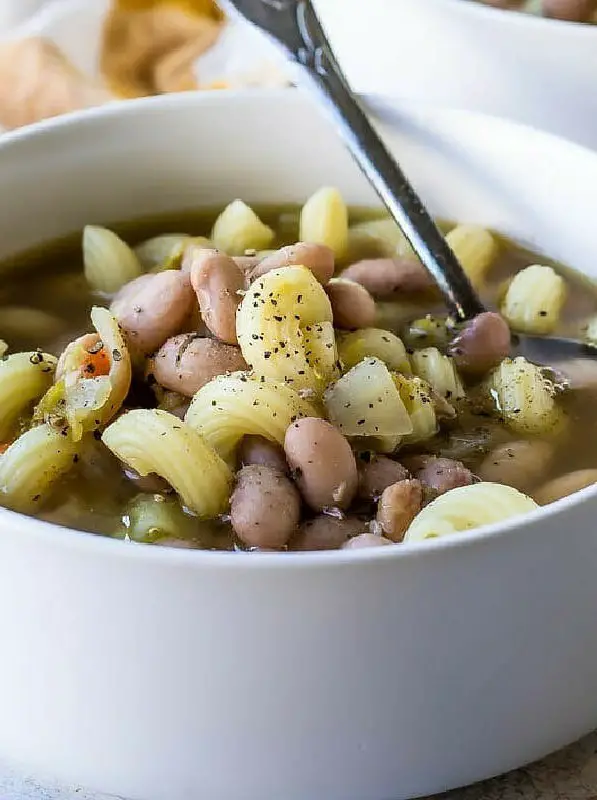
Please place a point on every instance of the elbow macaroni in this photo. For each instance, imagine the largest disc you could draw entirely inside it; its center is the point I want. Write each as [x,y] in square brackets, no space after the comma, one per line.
[238,229]
[324,220]
[466,508]
[109,262]
[153,441]
[534,300]
[285,330]
[24,377]
[232,406]
[32,464]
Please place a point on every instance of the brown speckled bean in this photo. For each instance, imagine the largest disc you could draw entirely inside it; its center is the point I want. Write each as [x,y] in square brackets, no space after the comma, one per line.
[377,475]
[246,264]
[264,507]
[258,450]
[352,305]
[152,308]
[569,10]
[440,474]
[326,533]
[564,486]
[218,284]
[316,257]
[322,463]
[482,345]
[518,464]
[384,276]
[187,362]
[398,506]
[365,540]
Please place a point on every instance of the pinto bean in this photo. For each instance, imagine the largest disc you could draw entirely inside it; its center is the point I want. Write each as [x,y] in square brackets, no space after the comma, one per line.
[326,533]
[365,540]
[152,308]
[246,264]
[352,305]
[384,276]
[265,507]
[518,464]
[569,10]
[322,462]
[187,362]
[377,475]
[316,257]
[218,283]
[258,450]
[398,506]
[482,344]
[439,474]
[565,485]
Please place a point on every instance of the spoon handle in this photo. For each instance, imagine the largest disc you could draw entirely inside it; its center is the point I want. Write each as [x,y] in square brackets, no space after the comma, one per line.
[322,74]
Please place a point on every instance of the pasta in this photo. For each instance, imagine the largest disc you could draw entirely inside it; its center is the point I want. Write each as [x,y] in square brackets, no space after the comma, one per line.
[285,332]
[109,262]
[3,348]
[534,300]
[418,401]
[380,237]
[439,371]
[232,406]
[153,441]
[95,372]
[238,229]
[324,220]
[373,342]
[32,464]
[163,252]
[24,377]
[524,397]
[366,402]
[475,248]
[468,507]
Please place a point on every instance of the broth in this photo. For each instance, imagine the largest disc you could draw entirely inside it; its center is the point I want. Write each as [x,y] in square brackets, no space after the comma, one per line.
[97,496]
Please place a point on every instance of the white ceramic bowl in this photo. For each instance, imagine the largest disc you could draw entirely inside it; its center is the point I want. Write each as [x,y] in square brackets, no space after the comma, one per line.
[465,55]
[164,674]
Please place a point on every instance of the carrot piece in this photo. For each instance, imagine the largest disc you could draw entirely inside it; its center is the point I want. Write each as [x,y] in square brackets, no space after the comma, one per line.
[95,364]
[4,447]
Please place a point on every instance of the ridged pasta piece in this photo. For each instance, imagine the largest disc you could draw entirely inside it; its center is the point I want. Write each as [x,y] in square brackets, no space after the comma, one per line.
[466,508]
[109,262]
[372,343]
[525,397]
[418,400]
[24,377]
[3,348]
[154,441]
[476,249]
[534,300]
[90,400]
[438,371]
[324,220]
[236,405]
[238,228]
[366,402]
[285,331]
[32,465]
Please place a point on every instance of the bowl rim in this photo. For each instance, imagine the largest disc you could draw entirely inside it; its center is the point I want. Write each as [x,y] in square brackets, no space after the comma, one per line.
[88,542]
[515,17]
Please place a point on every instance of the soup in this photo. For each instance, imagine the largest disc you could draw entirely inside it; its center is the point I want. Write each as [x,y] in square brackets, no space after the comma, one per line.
[229,388]
[566,10]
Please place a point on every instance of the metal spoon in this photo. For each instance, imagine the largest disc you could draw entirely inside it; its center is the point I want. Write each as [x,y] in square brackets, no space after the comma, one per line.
[294,26]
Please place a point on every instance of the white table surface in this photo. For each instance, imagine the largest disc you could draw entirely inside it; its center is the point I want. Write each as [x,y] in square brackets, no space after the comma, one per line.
[568,775]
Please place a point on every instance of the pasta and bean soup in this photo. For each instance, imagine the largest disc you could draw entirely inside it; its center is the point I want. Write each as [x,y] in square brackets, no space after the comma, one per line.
[285,379]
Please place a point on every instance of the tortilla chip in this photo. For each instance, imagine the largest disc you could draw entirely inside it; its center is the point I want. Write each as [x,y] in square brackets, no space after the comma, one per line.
[151,51]
[38,81]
